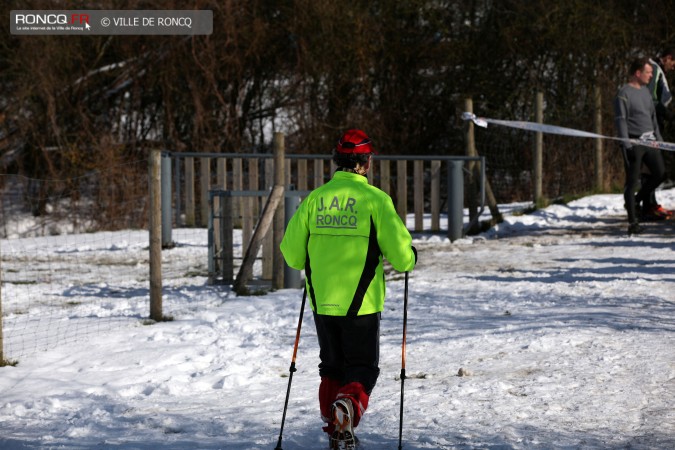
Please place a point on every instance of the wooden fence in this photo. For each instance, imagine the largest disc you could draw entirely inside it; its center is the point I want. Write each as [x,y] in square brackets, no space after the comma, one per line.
[417,184]
[410,180]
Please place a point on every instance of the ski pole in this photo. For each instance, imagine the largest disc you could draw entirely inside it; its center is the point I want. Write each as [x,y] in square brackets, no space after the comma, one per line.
[405,324]
[292,368]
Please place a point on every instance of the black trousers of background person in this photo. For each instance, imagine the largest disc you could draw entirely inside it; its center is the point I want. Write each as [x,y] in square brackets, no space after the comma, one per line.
[634,158]
[349,348]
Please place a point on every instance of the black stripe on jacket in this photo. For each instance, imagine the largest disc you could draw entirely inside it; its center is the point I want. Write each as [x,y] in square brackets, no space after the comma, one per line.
[308,274]
[372,260]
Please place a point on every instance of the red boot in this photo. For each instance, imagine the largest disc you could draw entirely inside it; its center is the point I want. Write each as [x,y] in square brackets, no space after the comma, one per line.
[328,390]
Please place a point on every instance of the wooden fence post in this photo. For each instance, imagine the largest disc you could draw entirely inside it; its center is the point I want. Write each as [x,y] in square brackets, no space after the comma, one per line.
[155,188]
[221,183]
[472,182]
[385,176]
[279,219]
[472,151]
[435,195]
[418,191]
[205,184]
[190,192]
[318,173]
[599,169]
[226,238]
[237,185]
[538,159]
[250,208]
[302,175]
[268,240]
[402,189]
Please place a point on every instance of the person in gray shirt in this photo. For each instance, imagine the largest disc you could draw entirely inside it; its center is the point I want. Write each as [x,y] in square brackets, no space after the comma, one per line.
[635,118]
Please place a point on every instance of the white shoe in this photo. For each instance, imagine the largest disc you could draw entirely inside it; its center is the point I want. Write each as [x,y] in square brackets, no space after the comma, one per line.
[342,415]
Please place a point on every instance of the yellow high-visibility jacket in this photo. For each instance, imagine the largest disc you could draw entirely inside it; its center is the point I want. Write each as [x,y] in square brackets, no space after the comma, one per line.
[338,235]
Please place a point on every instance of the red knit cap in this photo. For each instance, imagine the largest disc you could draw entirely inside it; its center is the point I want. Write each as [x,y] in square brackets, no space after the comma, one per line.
[354,141]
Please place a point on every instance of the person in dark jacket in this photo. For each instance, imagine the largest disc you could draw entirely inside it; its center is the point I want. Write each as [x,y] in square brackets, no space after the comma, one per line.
[339,235]
[658,86]
[662,97]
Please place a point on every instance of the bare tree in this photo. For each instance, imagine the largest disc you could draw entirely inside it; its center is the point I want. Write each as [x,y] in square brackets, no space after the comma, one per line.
[71,106]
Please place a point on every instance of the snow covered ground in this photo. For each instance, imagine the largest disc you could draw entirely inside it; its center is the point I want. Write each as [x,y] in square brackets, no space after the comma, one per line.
[563,326]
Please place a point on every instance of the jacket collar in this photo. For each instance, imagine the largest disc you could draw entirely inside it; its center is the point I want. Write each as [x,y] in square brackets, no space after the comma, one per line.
[340,175]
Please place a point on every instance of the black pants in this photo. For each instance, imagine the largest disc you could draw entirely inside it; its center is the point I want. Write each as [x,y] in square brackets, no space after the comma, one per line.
[653,159]
[349,348]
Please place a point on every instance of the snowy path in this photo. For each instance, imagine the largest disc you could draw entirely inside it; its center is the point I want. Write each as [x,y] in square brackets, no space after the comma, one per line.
[564,326]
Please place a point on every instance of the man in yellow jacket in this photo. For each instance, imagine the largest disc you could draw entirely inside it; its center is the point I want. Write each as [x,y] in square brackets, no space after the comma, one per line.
[339,235]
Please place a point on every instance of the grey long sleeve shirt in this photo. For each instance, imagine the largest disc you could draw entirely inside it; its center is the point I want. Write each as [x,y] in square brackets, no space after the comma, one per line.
[634,113]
